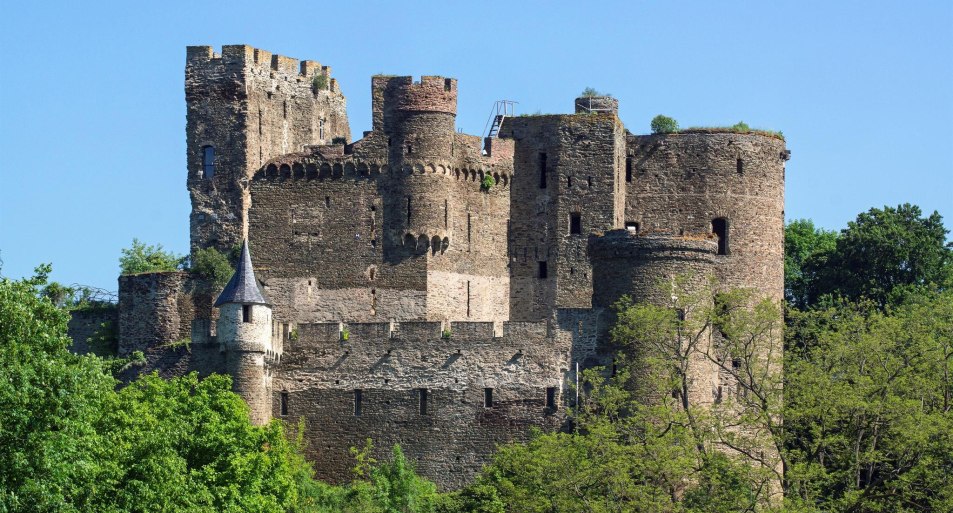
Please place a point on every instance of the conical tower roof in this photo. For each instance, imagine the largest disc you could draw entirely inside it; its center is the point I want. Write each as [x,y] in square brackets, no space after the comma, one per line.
[243,287]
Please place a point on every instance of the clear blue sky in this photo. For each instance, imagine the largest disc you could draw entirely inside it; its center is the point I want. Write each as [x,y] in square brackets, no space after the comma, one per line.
[92,109]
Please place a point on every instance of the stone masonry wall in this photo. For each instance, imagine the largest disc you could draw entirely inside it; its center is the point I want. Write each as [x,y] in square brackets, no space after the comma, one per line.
[625,263]
[154,309]
[454,437]
[87,322]
[565,166]
[681,182]
[250,106]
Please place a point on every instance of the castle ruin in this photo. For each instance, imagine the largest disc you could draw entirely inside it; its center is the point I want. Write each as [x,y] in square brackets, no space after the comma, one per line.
[389,290]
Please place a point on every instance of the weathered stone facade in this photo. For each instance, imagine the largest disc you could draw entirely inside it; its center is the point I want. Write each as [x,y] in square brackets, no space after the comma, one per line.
[408,302]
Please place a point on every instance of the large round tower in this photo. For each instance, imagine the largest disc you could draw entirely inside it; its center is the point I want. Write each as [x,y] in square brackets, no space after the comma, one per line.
[244,329]
[419,120]
[715,181]
[667,271]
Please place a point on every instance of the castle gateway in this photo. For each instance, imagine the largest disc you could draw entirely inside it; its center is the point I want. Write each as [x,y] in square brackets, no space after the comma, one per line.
[422,286]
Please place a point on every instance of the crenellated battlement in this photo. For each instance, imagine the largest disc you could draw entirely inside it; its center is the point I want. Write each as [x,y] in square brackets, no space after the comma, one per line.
[244,56]
[411,334]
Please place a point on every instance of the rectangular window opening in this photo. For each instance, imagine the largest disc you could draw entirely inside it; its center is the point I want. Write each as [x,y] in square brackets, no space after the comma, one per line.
[468,299]
[575,223]
[246,313]
[628,169]
[632,226]
[284,403]
[740,166]
[487,397]
[208,162]
[542,170]
[543,270]
[408,209]
[720,228]
[358,398]
[423,401]
[551,398]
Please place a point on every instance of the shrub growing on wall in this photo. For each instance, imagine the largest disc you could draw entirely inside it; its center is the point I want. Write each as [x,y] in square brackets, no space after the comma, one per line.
[664,125]
[144,258]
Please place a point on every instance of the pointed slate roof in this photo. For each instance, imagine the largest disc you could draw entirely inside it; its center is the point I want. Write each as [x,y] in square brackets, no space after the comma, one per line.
[243,287]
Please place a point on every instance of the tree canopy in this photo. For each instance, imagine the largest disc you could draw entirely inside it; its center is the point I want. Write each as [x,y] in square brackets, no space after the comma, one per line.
[880,256]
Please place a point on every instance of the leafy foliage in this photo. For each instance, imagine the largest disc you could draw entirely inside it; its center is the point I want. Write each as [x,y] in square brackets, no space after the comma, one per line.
[211,265]
[144,258]
[741,127]
[869,397]
[320,82]
[487,183]
[664,125]
[641,441]
[882,256]
[590,92]
[50,400]
[803,243]
[69,441]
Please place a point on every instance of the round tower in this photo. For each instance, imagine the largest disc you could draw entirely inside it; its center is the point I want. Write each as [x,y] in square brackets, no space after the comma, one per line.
[667,271]
[625,263]
[715,181]
[419,120]
[244,329]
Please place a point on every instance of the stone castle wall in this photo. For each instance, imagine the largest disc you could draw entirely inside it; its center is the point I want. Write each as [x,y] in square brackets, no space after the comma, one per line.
[89,322]
[154,309]
[679,183]
[564,166]
[250,106]
[392,239]
[455,434]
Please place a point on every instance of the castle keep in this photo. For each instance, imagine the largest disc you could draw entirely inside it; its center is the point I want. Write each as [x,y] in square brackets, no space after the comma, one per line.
[388,290]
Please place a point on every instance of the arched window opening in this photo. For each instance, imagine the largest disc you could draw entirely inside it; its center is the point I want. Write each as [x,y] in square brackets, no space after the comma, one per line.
[719,227]
[208,162]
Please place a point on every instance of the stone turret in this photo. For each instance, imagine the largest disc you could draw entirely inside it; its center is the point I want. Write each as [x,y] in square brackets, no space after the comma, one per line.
[244,329]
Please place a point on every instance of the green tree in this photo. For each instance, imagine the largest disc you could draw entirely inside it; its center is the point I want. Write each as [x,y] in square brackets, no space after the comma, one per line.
[664,125]
[643,441]
[69,441]
[804,242]
[144,258]
[211,265]
[882,255]
[50,399]
[869,396]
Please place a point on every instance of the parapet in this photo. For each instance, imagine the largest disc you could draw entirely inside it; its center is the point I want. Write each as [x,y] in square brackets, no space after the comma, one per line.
[244,56]
[430,94]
